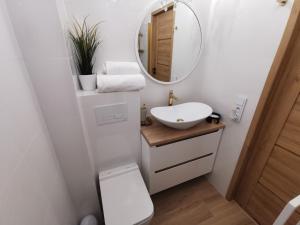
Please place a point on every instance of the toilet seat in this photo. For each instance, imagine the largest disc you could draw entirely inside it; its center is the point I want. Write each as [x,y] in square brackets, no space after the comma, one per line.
[125,198]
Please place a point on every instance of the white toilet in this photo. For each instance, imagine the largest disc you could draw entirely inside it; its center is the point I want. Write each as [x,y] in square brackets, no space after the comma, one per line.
[125,198]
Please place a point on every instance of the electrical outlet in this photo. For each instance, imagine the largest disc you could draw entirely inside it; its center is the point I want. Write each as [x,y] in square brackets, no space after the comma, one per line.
[239,107]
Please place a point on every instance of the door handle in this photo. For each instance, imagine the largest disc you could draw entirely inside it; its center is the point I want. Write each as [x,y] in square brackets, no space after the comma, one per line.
[288,211]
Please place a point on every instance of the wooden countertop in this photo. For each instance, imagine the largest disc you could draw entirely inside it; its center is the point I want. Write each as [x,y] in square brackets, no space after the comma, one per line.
[158,134]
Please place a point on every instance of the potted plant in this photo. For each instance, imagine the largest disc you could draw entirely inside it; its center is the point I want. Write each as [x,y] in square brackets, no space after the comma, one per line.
[85,44]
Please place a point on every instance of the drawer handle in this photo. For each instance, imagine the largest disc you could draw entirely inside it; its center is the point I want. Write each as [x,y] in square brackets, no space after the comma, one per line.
[180,164]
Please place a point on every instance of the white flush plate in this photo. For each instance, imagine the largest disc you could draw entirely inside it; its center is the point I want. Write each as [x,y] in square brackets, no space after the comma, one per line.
[115,113]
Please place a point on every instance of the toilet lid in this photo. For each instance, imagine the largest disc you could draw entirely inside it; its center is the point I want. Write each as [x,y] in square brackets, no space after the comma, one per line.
[125,198]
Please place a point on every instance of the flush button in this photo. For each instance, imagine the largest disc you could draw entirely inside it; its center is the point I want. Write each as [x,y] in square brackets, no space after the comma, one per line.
[115,113]
[118,116]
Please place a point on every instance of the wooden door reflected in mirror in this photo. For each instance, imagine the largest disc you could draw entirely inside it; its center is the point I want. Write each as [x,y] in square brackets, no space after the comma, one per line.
[160,55]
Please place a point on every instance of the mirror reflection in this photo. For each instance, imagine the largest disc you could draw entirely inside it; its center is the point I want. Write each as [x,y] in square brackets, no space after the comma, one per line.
[169,41]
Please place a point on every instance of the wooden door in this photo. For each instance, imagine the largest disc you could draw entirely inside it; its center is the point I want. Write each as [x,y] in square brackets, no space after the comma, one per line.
[272,175]
[162,44]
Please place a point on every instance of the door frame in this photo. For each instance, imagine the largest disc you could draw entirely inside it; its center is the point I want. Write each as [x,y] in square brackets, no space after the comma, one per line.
[272,85]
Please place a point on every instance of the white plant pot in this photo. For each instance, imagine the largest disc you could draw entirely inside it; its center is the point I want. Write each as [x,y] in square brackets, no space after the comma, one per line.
[88,82]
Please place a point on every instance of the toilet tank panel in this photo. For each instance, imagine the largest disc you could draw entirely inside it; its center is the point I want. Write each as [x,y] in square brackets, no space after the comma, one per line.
[111,124]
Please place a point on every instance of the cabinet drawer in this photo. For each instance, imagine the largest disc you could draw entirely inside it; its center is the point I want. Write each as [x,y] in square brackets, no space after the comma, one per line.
[182,151]
[168,178]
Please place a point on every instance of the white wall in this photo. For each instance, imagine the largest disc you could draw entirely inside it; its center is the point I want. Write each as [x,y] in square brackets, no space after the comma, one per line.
[32,187]
[39,33]
[240,41]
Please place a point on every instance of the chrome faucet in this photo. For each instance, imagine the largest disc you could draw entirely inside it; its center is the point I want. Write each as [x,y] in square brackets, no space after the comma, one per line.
[172,98]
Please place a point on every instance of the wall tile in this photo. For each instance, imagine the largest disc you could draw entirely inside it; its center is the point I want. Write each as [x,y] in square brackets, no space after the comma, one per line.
[32,188]
[39,32]
[35,186]
[42,42]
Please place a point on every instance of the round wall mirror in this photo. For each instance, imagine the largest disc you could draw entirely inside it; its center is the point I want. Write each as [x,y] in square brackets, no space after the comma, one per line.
[169,41]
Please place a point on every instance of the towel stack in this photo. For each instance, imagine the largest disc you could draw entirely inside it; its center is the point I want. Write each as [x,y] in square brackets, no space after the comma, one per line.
[120,76]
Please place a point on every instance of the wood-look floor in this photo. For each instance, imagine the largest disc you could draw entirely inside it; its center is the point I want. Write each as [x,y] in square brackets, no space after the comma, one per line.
[196,203]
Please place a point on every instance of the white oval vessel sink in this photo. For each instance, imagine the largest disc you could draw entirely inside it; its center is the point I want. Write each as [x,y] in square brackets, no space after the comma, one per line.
[182,116]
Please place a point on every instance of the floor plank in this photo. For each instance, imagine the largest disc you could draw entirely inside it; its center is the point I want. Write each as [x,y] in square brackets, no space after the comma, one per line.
[196,203]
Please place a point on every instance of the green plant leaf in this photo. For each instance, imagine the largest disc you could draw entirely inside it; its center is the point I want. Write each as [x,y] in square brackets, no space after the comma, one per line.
[85,43]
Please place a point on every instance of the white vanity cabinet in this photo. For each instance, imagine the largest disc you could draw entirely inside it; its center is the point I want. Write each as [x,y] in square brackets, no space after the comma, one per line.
[171,157]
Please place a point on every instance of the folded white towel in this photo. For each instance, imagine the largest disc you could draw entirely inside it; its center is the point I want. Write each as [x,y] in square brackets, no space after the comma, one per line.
[120,83]
[119,68]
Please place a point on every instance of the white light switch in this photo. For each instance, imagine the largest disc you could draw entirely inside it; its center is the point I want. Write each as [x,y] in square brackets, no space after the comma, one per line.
[239,108]
[115,113]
